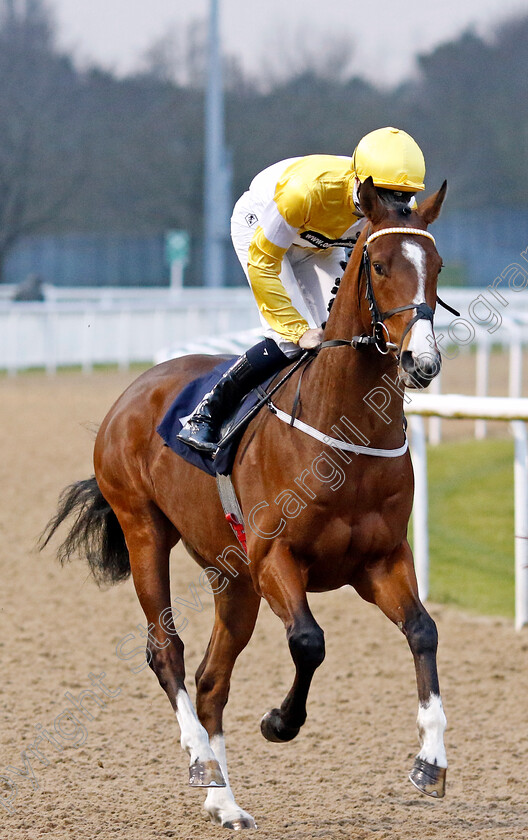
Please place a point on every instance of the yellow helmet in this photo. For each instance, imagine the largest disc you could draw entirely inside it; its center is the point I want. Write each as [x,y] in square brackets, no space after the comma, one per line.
[392,158]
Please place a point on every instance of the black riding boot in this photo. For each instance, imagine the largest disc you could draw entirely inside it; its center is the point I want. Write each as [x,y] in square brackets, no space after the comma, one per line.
[202,429]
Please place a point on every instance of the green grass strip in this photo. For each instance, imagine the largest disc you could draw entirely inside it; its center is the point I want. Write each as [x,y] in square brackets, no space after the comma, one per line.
[471,525]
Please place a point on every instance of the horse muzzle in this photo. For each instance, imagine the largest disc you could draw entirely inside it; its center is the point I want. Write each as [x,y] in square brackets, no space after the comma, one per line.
[418,370]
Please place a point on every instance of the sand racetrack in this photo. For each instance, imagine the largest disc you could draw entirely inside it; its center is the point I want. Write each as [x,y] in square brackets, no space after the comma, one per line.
[345,776]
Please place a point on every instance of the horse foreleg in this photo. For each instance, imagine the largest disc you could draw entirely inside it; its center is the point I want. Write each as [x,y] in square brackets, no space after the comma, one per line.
[281,582]
[391,584]
[149,539]
[236,610]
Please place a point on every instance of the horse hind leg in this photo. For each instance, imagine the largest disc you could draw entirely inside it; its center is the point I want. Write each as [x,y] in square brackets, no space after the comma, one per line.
[391,584]
[150,537]
[236,609]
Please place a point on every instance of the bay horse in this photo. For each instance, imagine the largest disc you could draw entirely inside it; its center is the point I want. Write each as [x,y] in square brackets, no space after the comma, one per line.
[317,537]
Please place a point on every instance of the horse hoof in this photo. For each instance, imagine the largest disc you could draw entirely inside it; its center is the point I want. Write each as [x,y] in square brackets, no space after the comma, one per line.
[273,728]
[428,778]
[240,824]
[206,774]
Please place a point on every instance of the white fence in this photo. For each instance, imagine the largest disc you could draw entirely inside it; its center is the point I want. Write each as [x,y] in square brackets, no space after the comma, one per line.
[117,327]
[485,408]
[88,326]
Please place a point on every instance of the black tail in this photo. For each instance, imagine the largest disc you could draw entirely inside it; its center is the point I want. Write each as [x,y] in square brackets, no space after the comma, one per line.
[95,534]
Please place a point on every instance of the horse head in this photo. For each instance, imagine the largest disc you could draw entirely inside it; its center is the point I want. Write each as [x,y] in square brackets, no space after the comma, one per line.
[400,268]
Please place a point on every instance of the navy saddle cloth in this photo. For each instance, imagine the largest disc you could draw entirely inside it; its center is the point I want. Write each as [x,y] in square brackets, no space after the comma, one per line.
[184,405]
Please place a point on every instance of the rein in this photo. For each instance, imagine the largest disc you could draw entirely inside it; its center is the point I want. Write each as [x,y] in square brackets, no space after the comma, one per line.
[380,333]
[379,338]
[307,356]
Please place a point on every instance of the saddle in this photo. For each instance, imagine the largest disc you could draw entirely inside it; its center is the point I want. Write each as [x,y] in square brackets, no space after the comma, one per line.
[220,463]
[184,405]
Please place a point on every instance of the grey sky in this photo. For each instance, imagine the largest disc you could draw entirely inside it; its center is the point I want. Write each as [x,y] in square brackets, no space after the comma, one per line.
[386,34]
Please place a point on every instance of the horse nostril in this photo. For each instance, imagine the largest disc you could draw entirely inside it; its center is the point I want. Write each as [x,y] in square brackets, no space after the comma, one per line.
[407,361]
[424,366]
[429,364]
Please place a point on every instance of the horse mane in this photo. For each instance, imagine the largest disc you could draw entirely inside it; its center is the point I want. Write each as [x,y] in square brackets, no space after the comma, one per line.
[394,202]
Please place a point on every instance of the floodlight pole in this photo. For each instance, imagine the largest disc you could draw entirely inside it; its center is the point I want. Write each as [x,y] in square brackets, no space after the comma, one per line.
[217,175]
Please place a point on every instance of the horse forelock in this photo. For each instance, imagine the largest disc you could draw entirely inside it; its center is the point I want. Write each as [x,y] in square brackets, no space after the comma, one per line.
[401,207]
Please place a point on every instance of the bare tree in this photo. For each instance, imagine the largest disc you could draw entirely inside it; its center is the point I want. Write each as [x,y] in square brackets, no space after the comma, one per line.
[180,55]
[327,58]
[42,159]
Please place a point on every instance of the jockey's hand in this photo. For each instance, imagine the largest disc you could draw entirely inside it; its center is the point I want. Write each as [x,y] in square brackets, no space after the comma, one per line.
[311,339]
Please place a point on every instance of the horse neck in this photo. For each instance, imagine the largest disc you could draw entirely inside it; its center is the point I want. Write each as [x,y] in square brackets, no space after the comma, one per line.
[346,317]
[347,382]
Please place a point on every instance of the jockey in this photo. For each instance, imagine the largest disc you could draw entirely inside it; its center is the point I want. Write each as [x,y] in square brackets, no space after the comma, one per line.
[290,231]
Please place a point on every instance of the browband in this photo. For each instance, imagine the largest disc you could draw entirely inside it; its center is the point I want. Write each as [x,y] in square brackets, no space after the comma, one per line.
[384,231]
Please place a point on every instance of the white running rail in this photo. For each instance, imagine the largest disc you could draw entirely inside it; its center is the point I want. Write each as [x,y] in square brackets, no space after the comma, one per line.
[507,409]
[88,326]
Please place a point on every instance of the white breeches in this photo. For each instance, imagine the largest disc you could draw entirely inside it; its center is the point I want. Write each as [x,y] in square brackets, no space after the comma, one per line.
[307,274]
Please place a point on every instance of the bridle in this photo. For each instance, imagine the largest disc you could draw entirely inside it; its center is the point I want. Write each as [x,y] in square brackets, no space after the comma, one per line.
[380,333]
[378,337]
[424,312]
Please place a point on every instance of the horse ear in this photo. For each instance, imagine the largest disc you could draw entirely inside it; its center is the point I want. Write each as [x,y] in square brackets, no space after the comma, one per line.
[429,209]
[370,202]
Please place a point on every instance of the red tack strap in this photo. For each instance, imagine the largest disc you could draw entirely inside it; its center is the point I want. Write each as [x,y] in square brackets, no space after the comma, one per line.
[238,528]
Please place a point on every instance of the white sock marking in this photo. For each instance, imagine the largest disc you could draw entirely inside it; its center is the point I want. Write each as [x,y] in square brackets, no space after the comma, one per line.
[194,737]
[220,803]
[431,726]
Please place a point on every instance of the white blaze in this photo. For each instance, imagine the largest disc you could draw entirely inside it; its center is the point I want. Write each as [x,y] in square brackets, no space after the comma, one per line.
[421,340]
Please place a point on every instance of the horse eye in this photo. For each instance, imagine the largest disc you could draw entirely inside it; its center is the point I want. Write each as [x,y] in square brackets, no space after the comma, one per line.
[378,268]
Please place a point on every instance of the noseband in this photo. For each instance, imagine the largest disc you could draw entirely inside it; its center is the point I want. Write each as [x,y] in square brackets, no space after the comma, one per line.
[380,333]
